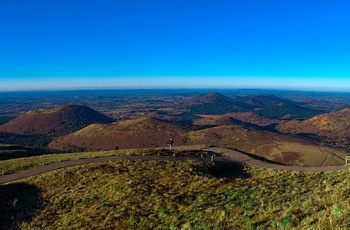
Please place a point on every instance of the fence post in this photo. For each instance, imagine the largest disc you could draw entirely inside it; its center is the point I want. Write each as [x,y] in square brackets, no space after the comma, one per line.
[347,160]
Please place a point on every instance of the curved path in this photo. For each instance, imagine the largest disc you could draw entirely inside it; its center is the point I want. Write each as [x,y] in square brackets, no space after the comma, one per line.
[242,158]
[233,156]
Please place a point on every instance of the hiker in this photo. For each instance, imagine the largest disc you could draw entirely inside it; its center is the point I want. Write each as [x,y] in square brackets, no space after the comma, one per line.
[171,143]
[116,147]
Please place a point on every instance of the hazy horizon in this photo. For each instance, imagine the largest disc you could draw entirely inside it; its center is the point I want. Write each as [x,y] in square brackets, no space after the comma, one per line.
[174,44]
[187,90]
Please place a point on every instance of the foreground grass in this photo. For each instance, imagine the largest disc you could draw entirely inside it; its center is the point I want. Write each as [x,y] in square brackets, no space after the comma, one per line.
[185,195]
[13,165]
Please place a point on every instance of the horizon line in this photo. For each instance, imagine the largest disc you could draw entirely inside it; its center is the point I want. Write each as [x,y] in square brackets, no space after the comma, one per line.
[342,90]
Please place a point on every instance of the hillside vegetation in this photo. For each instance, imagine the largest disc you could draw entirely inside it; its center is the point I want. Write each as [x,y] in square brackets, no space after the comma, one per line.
[177,195]
[25,140]
[190,121]
[14,165]
[286,111]
[265,105]
[4,119]
[334,126]
[54,122]
[143,132]
[8,151]
[211,103]
[285,149]
[253,118]
[261,100]
[248,118]
[154,133]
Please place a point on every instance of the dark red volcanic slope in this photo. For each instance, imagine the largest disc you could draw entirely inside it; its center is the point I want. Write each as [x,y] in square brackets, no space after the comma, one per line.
[55,122]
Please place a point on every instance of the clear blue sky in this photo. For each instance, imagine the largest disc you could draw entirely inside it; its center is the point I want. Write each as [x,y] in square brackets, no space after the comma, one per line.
[52,44]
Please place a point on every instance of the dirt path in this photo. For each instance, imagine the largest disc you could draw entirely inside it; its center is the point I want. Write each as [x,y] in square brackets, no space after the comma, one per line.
[241,158]
[233,156]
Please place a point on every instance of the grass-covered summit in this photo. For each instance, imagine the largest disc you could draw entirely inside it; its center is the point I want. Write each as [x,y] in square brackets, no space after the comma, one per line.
[145,132]
[177,195]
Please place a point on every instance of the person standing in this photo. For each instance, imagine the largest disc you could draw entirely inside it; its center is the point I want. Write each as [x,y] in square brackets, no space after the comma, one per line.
[171,143]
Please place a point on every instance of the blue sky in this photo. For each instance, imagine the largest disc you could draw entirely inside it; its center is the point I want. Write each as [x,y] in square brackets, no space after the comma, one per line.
[174,43]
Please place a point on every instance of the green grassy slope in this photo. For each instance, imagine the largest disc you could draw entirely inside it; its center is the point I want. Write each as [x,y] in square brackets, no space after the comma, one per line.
[178,195]
[14,165]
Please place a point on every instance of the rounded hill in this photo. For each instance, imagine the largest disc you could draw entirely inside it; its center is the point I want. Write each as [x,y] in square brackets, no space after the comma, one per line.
[54,122]
[208,97]
[211,103]
[335,126]
[136,133]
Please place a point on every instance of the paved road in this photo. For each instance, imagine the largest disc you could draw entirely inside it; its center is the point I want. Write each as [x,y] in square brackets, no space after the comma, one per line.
[232,156]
